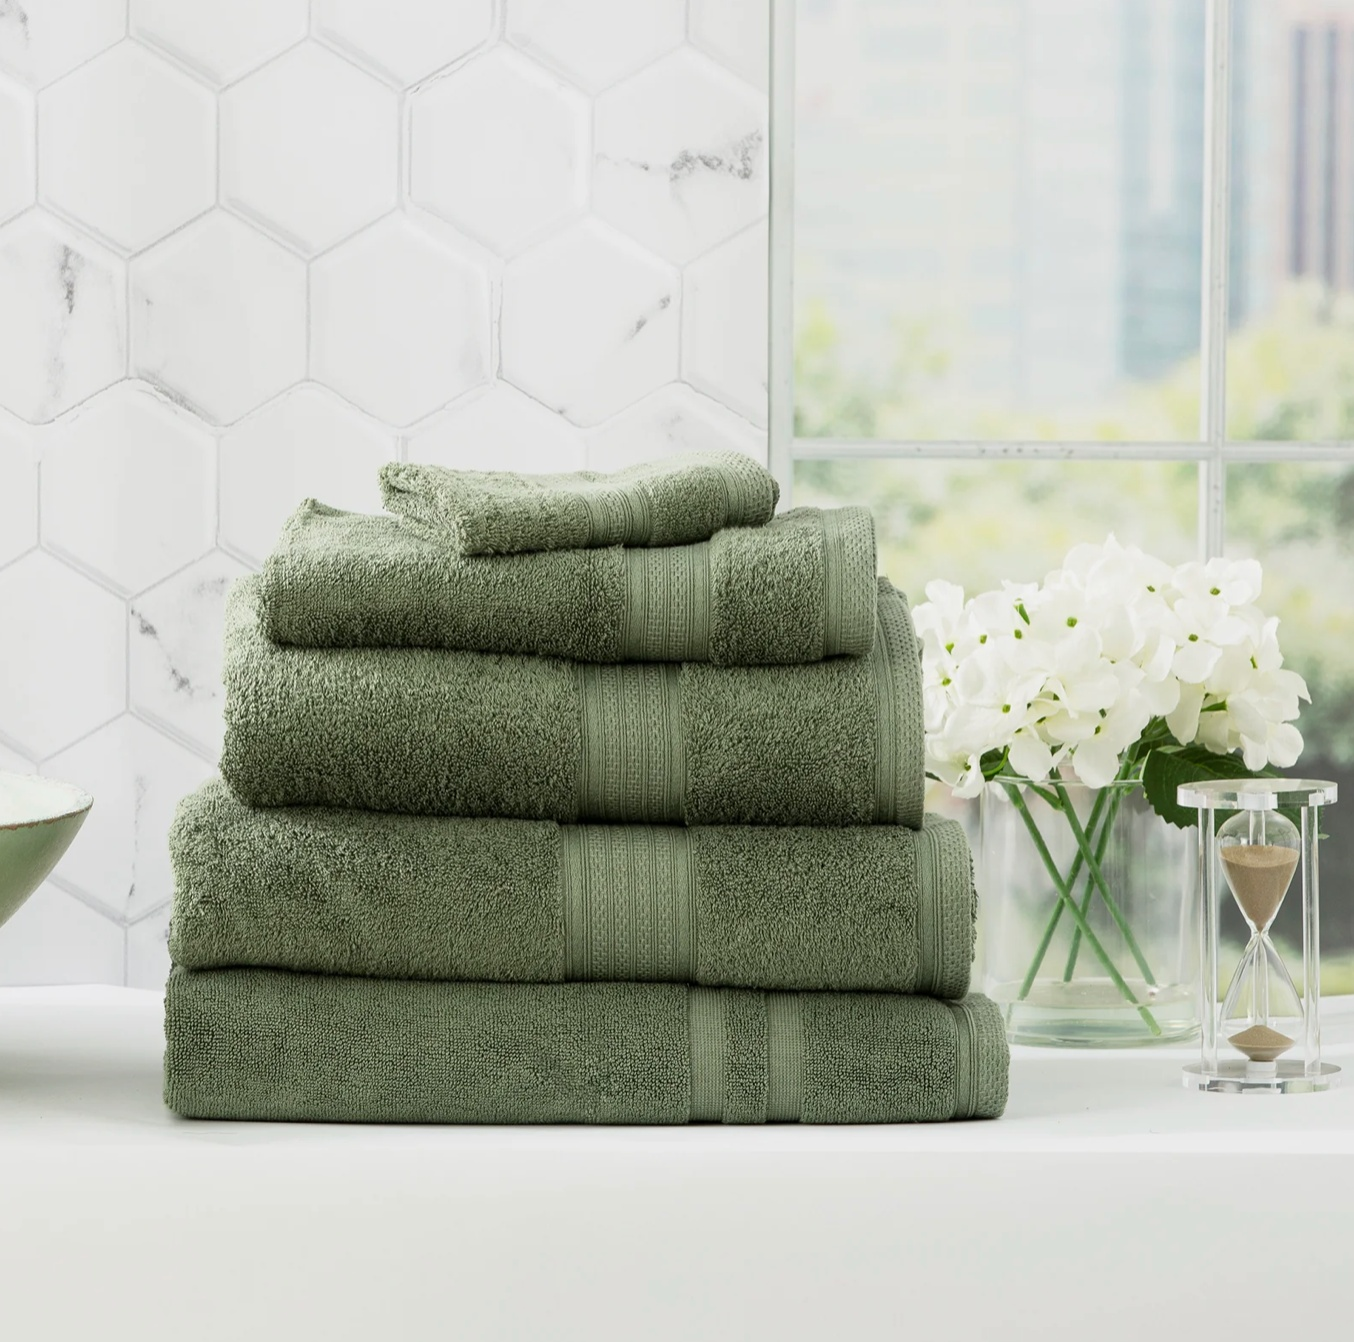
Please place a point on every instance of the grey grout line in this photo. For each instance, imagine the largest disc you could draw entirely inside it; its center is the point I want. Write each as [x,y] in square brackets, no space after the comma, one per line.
[82,897]
[79,740]
[310,353]
[404,186]
[75,69]
[176,735]
[23,752]
[218,124]
[77,225]
[262,65]
[131,921]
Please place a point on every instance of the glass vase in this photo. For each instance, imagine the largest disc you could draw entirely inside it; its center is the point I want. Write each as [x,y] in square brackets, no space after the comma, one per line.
[1087,937]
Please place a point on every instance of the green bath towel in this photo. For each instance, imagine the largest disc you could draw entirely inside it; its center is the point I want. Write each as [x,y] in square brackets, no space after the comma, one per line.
[263,1044]
[527,901]
[796,590]
[482,734]
[684,498]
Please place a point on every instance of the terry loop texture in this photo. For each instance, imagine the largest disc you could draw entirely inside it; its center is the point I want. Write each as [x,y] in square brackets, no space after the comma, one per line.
[799,589]
[684,498]
[270,1045]
[432,897]
[837,742]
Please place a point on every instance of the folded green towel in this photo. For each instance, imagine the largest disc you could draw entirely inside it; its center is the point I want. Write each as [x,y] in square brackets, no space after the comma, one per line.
[467,733]
[796,590]
[683,498]
[435,897]
[263,1044]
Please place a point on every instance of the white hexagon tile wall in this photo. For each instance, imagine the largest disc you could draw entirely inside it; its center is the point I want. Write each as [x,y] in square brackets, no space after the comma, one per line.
[248,252]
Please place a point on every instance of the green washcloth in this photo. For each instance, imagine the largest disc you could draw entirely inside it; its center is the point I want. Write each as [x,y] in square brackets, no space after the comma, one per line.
[670,502]
[467,733]
[796,590]
[527,901]
[263,1044]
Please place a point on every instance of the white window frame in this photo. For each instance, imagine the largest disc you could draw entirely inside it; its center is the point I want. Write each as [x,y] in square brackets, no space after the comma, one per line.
[1212,450]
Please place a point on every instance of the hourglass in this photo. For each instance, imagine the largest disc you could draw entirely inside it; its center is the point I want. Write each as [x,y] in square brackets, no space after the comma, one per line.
[1266,1035]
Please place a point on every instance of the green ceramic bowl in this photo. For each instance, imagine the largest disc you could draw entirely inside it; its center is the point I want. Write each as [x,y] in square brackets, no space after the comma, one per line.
[38,819]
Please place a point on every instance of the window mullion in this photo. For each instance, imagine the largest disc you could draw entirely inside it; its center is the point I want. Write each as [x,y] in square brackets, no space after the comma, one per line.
[1213,314]
[780,288]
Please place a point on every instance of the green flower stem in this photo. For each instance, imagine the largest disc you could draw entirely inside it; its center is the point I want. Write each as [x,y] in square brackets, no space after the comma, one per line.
[1126,771]
[1074,912]
[1075,949]
[1098,877]
[1055,917]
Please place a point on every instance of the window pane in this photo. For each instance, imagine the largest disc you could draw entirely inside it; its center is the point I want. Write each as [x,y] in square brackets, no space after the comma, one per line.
[1298,520]
[998,218]
[1290,359]
[976,522]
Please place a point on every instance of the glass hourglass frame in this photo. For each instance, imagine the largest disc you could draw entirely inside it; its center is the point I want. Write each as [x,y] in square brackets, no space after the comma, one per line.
[1221,1066]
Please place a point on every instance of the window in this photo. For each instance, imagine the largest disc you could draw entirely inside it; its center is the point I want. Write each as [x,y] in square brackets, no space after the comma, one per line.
[1054,268]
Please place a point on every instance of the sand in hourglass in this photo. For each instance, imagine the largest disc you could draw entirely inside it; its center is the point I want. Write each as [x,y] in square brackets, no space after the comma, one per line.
[1259,874]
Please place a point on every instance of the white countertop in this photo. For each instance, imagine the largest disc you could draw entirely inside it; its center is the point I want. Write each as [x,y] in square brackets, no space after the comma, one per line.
[1109,1198]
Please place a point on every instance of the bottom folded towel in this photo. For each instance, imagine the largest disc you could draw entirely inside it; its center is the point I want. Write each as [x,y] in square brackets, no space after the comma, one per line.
[272,1045]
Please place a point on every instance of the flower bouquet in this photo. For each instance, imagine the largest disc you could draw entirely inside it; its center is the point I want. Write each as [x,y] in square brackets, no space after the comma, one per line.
[1081,699]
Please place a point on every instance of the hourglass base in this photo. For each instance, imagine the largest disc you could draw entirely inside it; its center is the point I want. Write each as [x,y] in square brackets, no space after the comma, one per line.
[1248,1078]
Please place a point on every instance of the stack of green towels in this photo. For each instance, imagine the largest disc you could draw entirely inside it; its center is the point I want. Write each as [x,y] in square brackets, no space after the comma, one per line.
[579,798]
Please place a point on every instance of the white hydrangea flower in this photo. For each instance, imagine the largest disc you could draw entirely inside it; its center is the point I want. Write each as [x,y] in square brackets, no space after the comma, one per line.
[1069,673]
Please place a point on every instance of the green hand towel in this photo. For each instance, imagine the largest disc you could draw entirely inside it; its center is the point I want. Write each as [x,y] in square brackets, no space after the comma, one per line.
[434,897]
[799,589]
[684,498]
[262,1044]
[465,733]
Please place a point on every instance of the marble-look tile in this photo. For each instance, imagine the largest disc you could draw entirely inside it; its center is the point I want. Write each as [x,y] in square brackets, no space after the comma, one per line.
[55,938]
[137,777]
[675,419]
[405,40]
[18,490]
[737,35]
[65,661]
[127,144]
[128,487]
[596,42]
[399,320]
[175,650]
[724,329]
[305,444]
[219,41]
[219,317]
[680,158]
[499,429]
[148,949]
[590,323]
[18,162]
[40,42]
[310,148]
[63,317]
[500,149]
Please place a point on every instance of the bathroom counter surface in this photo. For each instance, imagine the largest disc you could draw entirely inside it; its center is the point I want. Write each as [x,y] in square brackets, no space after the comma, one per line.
[1104,1160]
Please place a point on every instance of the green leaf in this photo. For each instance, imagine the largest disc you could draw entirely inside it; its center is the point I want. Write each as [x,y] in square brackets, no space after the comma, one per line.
[1168,767]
